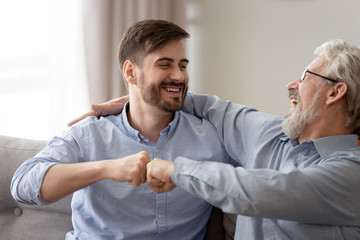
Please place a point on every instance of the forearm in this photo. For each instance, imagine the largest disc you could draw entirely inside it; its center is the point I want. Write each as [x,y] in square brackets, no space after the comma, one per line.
[64,179]
[314,196]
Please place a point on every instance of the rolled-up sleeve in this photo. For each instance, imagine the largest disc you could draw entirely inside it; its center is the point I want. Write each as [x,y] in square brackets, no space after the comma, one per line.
[27,180]
[26,183]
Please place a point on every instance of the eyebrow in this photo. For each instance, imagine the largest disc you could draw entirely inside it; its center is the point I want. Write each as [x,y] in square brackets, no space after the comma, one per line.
[172,60]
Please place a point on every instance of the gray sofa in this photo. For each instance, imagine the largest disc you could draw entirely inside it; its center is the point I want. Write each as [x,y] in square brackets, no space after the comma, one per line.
[19,221]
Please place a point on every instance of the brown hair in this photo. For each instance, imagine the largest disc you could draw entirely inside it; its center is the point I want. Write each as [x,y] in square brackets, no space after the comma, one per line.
[147,36]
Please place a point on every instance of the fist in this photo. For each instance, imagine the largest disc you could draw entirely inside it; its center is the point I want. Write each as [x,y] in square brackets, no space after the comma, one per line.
[159,175]
[131,169]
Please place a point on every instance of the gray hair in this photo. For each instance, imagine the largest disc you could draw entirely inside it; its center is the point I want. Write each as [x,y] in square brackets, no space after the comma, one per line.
[344,65]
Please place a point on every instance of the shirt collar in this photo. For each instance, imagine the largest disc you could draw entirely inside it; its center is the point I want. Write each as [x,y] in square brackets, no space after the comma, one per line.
[131,132]
[328,145]
[170,128]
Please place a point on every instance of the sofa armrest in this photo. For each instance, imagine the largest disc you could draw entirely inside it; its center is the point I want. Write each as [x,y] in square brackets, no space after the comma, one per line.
[19,221]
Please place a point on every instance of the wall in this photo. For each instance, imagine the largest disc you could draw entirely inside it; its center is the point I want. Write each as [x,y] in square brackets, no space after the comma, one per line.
[248,50]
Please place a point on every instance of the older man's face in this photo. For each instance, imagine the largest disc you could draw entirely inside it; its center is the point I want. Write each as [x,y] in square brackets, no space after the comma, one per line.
[307,98]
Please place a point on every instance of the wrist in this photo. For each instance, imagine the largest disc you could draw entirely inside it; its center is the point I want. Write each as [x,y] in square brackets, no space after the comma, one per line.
[104,169]
[170,171]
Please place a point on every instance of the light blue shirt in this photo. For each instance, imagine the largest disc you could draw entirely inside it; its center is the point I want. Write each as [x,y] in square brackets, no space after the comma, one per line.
[113,210]
[286,190]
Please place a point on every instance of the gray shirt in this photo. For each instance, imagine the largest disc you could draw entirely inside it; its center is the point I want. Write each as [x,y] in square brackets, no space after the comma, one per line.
[284,190]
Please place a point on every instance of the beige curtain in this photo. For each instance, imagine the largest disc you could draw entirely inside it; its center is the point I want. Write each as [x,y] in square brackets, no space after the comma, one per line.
[104,23]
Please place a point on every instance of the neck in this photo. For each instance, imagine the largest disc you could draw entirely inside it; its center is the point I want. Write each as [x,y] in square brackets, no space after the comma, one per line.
[331,123]
[148,121]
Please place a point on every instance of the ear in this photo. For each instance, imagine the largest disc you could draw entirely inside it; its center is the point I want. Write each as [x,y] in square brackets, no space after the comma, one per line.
[337,92]
[129,70]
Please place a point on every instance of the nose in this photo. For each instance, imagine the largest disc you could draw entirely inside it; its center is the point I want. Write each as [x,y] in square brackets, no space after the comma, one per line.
[178,75]
[293,84]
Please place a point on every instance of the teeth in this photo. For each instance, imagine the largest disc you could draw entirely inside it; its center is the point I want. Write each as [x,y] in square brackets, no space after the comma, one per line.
[172,89]
[294,102]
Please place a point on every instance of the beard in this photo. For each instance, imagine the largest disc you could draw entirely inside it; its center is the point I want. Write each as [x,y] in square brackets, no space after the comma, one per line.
[295,123]
[151,94]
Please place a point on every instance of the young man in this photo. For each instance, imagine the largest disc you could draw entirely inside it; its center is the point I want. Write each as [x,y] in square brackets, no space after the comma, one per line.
[300,175]
[103,161]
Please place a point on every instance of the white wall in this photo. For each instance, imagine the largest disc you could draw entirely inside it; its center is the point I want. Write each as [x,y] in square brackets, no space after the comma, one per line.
[248,50]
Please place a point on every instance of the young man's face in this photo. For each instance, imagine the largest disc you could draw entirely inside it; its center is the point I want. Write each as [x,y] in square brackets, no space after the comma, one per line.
[163,80]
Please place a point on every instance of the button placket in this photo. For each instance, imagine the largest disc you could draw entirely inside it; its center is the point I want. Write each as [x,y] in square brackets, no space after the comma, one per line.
[160,211]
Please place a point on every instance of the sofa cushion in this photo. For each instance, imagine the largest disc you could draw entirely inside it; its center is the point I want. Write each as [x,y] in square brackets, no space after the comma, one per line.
[20,221]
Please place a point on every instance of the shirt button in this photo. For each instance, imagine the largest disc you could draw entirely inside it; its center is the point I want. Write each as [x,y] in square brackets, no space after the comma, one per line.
[157,150]
[160,215]
[295,156]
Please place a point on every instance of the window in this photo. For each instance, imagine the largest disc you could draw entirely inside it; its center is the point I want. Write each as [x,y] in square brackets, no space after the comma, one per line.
[42,68]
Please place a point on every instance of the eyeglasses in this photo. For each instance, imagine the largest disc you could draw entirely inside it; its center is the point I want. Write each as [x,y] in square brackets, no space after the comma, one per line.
[307,71]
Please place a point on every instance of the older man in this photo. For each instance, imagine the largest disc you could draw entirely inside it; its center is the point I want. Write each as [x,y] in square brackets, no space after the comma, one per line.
[301,175]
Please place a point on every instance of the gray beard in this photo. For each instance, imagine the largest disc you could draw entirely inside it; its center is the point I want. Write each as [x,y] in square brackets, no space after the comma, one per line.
[294,124]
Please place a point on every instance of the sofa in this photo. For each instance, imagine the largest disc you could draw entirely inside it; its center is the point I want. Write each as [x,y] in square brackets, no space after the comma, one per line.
[19,221]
